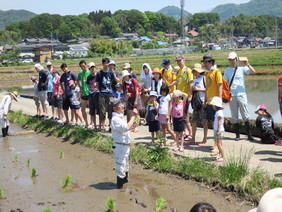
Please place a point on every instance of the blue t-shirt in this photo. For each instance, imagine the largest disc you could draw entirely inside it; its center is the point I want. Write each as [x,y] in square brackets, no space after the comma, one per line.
[152,112]
[50,81]
[238,85]
[119,96]
[65,78]
[42,79]
[91,80]
[114,81]
[105,80]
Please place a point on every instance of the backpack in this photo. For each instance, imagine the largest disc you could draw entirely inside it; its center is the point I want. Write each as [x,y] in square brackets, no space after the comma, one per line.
[226,94]
[196,101]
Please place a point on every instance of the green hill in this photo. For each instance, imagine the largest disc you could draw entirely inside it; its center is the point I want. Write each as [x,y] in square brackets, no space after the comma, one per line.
[253,7]
[7,17]
[173,11]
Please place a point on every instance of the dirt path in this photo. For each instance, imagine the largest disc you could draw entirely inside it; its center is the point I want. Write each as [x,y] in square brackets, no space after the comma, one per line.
[93,180]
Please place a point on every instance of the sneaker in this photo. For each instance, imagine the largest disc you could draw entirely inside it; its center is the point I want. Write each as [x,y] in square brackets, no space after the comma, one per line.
[176,150]
[203,143]
[278,142]
[60,121]
[187,137]
[181,149]
[219,160]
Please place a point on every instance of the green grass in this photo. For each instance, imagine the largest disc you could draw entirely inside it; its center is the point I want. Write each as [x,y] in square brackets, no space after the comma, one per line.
[47,210]
[110,205]
[62,155]
[234,175]
[16,156]
[160,204]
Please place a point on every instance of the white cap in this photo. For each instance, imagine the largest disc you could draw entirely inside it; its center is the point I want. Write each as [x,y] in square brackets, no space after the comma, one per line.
[91,64]
[153,93]
[125,73]
[48,64]
[216,101]
[112,62]
[232,55]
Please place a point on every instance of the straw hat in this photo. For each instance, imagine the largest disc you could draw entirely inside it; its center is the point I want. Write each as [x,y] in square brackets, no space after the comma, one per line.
[91,64]
[156,71]
[126,66]
[198,67]
[125,73]
[216,101]
[176,93]
[15,95]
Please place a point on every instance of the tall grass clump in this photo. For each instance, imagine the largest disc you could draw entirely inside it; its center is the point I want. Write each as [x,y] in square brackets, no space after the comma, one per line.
[16,156]
[160,204]
[110,205]
[62,155]
[66,182]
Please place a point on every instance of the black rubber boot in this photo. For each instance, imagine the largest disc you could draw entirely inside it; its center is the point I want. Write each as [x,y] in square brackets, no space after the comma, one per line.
[237,131]
[3,132]
[120,182]
[126,178]
[7,129]
[249,131]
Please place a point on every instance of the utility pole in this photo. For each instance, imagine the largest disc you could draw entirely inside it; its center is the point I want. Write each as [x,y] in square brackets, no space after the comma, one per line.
[276,31]
[182,3]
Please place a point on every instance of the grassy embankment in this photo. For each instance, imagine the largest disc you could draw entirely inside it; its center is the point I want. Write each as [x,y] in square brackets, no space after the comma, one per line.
[234,175]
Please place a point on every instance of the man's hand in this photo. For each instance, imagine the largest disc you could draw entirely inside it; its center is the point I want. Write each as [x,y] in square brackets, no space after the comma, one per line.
[134,112]
[5,117]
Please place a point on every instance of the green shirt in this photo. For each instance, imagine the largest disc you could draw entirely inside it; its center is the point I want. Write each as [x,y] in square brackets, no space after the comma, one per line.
[82,77]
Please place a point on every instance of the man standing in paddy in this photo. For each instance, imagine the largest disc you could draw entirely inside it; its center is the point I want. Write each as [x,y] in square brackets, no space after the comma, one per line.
[81,79]
[120,134]
[235,75]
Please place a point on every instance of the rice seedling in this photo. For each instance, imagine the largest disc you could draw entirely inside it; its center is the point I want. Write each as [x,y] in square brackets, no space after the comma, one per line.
[62,155]
[33,172]
[28,162]
[16,156]
[47,210]
[1,193]
[110,205]
[66,182]
[160,204]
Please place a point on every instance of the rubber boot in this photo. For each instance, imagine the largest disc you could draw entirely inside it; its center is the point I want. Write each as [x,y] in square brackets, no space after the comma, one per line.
[126,178]
[237,131]
[7,129]
[3,132]
[120,182]
[249,131]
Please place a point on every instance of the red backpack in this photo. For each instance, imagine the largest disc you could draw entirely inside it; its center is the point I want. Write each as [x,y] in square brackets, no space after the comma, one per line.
[226,94]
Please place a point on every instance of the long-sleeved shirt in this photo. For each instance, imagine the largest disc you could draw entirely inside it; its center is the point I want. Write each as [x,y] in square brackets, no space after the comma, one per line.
[6,104]
[119,127]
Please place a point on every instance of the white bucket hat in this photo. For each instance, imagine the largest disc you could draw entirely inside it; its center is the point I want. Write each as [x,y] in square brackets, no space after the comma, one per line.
[153,93]
[216,101]
[125,73]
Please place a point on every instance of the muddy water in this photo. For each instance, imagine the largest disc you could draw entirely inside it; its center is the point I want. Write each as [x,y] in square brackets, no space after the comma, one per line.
[93,180]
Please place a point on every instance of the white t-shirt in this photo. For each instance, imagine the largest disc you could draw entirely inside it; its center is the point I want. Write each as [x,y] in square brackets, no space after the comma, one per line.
[218,113]
[164,104]
[199,82]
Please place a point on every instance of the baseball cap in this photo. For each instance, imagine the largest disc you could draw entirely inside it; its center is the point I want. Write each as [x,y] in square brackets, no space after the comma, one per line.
[179,57]
[165,62]
[91,64]
[48,64]
[33,78]
[232,55]
[260,107]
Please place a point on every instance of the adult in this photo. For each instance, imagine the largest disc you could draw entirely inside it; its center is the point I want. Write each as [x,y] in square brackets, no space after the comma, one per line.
[57,96]
[127,67]
[213,86]
[131,91]
[146,82]
[50,98]
[81,81]
[42,88]
[235,76]
[5,106]
[66,77]
[112,68]
[168,76]
[104,81]
[184,79]
[157,81]
[280,93]
[120,134]
[93,95]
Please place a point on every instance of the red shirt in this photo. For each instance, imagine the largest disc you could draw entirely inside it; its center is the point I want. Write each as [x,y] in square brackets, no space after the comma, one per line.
[280,80]
[130,88]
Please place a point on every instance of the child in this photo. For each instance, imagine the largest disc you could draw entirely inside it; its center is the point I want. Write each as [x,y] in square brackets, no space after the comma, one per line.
[177,109]
[151,113]
[264,123]
[57,95]
[75,103]
[119,93]
[199,114]
[35,95]
[157,81]
[218,127]
[163,113]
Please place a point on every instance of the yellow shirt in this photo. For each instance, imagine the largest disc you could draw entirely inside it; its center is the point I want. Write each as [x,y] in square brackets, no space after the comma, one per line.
[168,77]
[213,78]
[184,77]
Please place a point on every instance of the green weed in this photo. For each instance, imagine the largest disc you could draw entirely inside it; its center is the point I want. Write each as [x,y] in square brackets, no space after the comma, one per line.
[47,210]
[1,193]
[160,204]
[33,172]
[110,205]
[62,155]
[16,156]
[66,182]
[28,162]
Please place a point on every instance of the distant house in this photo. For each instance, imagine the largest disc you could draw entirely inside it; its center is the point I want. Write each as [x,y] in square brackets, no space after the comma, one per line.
[43,53]
[26,50]
[193,33]
[145,39]
[267,42]
[130,36]
[181,42]
[78,50]
[162,43]
[29,41]
[168,35]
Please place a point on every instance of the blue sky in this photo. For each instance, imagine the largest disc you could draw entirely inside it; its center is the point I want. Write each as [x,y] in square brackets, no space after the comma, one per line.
[75,7]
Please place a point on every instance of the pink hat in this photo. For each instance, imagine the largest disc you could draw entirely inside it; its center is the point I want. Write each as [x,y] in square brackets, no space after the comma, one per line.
[260,107]
[71,82]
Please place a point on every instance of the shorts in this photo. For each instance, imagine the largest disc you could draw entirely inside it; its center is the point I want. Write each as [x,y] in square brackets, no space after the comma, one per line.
[84,98]
[199,116]
[75,107]
[50,98]
[210,113]
[42,97]
[130,103]
[178,124]
[36,101]
[154,126]
[94,104]
[58,102]
[221,135]
[162,119]
[66,102]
